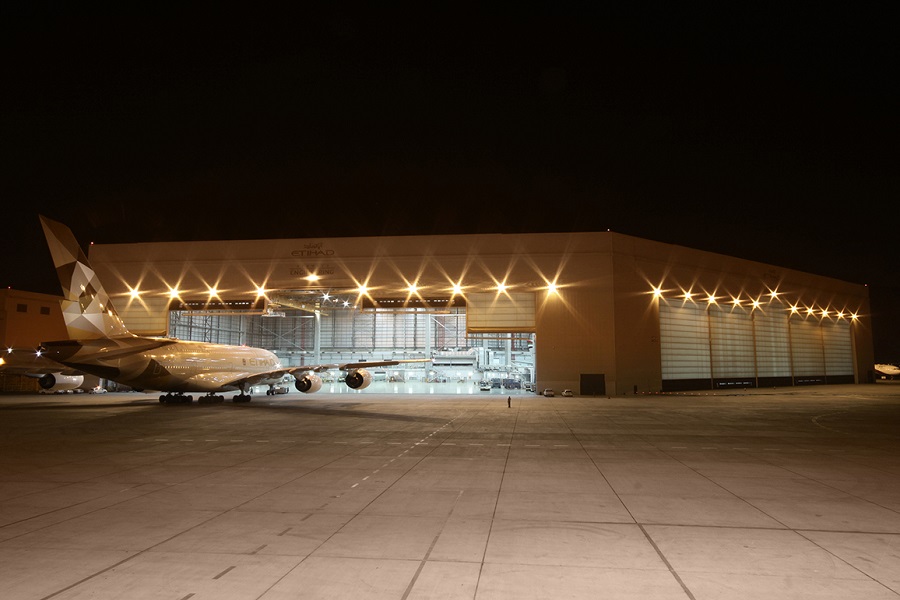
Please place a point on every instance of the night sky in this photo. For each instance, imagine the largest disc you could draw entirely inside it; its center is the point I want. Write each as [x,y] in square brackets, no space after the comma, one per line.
[766,135]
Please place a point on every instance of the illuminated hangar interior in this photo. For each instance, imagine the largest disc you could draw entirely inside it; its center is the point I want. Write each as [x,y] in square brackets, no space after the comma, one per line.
[598,313]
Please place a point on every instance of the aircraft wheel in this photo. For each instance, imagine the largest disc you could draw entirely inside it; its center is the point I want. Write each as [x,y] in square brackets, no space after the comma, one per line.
[162,399]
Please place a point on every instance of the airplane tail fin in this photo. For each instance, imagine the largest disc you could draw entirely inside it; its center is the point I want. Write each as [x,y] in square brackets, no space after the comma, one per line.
[86,307]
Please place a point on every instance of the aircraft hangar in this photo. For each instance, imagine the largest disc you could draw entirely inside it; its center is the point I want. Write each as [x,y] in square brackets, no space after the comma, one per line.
[600,313]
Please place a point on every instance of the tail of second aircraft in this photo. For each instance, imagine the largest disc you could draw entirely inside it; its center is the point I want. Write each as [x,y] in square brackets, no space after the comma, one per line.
[86,307]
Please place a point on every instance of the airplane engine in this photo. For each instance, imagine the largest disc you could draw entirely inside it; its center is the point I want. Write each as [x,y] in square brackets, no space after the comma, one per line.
[57,382]
[358,379]
[308,384]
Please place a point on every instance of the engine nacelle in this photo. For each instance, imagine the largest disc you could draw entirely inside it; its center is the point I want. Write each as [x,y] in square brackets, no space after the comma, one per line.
[358,379]
[308,384]
[57,382]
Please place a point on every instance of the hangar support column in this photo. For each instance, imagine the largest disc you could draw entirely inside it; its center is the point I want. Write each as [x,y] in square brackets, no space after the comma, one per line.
[317,339]
[428,318]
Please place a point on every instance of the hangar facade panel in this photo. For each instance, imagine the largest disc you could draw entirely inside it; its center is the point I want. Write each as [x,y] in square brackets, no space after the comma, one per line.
[603,321]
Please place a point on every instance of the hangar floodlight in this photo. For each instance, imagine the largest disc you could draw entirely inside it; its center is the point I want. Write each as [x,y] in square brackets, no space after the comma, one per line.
[173,293]
[711,299]
[657,292]
[810,311]
[312,277]
[134,292]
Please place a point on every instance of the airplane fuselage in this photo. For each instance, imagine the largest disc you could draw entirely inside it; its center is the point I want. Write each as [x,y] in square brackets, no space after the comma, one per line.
[165,364]
[888,370]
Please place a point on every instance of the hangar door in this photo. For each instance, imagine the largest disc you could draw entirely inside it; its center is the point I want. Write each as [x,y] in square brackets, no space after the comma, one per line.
[716,347]
[508,312]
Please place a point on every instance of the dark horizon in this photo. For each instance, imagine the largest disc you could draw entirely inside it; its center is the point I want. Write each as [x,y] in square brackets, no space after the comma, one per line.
[760,135]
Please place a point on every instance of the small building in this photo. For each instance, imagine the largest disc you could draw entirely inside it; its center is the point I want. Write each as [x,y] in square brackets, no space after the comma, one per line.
[27,319]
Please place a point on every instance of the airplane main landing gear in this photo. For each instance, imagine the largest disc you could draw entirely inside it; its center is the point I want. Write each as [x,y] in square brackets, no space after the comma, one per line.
[175,399]
[242,397]
[211,399]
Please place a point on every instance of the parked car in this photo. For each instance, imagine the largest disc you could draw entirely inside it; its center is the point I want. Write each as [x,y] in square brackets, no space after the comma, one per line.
[484,386]
[98,390]
[549,393]
[567,393]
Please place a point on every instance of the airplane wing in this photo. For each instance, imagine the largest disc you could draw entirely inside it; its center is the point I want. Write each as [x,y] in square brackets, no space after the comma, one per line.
[28,361]
[351,366]
[240,380]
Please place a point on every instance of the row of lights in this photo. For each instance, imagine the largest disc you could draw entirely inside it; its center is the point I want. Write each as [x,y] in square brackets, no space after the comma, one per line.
[361,290]
[755,303]
[552,288]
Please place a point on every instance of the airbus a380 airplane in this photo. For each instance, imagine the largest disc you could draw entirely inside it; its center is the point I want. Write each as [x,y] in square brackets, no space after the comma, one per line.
[101,345]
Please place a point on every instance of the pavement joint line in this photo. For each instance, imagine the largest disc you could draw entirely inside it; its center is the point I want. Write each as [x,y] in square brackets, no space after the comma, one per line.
[232,566]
